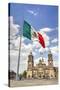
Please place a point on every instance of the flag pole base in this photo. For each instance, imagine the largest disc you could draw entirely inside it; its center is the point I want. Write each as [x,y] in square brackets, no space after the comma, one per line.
[17,78]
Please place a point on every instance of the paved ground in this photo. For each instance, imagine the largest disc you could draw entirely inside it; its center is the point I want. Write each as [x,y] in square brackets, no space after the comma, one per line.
[34,82]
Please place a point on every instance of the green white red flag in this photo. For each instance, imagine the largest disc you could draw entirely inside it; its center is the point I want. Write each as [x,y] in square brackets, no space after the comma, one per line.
[30,33]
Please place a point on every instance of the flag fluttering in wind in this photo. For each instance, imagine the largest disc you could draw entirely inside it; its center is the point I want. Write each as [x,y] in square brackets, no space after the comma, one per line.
[29,33]
[41,40]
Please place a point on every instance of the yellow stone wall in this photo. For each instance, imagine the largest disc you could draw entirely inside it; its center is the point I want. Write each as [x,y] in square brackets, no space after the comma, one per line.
[51,73]
[29,74]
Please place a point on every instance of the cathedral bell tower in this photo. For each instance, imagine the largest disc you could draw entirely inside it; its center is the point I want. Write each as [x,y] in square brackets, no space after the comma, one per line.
[50,59]
[30,61]
[30,66]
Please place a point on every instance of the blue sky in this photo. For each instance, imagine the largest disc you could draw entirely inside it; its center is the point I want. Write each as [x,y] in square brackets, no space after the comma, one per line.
[47,16]
[41,17]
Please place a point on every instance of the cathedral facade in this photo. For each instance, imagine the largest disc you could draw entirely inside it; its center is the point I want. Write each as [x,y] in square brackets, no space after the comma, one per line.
[41,70]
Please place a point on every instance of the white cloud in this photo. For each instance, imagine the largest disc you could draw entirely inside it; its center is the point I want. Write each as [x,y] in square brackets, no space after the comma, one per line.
[35,13]
[11,19]
[36,44]
[34,53]
[46,29]
[32,12]
[25,50]
[14,61]
[14,28]
[55,63]
[55,40]
[36,61]
[42,50]
[54,50]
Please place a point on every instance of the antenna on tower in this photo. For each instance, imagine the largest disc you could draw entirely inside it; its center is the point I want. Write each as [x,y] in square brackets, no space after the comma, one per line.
[49,51]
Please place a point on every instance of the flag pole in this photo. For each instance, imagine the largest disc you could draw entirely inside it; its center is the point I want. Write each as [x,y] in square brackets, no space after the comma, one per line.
[19,57]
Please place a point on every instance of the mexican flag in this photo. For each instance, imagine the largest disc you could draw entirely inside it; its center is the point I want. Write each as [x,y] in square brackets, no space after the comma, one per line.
[30,33]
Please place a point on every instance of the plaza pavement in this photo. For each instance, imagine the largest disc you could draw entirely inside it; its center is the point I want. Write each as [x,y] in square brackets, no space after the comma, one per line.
[33,82]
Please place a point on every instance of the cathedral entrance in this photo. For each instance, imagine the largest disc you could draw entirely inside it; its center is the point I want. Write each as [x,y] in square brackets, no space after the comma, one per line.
[40,75]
